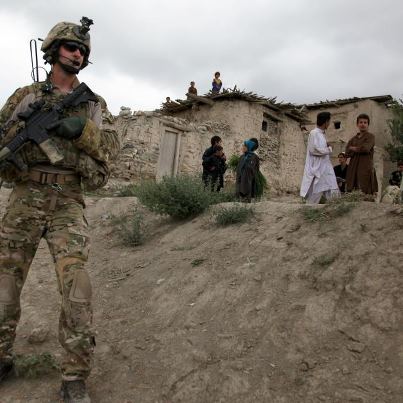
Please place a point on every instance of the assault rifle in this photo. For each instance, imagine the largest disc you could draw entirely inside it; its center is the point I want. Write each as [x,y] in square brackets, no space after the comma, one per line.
[37,124]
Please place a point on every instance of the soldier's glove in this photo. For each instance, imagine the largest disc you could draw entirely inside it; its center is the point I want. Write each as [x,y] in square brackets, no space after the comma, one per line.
[69,128]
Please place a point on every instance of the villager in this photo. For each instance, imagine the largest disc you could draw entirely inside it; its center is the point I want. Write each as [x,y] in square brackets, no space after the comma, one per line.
[47,201]
[192,89]
[214,161]
[396,176]
[319,178]
[246,172]
[341,171]
[218,167]
[217,83]
[360,149]
[394,192]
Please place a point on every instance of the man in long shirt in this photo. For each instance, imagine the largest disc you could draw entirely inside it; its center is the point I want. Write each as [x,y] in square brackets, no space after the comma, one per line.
[319,178]
[360,149]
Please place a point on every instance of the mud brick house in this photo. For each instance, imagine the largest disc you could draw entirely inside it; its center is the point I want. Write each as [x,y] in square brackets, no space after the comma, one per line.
[171,140]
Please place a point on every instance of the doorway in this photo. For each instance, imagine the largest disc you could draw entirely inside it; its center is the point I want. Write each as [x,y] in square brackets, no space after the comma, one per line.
[168,161]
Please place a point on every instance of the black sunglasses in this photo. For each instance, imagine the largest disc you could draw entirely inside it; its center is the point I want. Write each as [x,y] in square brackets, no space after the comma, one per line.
[73,46]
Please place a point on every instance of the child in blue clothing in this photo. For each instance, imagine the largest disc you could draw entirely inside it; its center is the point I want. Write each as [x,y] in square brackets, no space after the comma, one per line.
[247,170]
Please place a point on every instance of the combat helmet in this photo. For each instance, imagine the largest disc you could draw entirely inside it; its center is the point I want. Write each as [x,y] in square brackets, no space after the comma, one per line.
[67,31]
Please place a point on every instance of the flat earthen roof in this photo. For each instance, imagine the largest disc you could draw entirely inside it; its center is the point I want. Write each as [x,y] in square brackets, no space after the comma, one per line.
[384,99]
[180,105]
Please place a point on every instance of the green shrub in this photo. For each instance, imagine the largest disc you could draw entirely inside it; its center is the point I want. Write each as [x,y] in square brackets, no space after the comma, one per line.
[35,365]
[395,149]
[261,184]
[126,191]
[180,197]
[131,228]
[234,215]
[233,162]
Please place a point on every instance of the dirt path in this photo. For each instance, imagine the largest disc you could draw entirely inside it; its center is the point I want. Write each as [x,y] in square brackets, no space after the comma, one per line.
[277,310]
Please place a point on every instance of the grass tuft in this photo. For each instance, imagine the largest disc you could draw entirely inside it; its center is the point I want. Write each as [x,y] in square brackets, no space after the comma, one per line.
[233,215]
[324,261]
[131,228]
[197,262]
[334,208]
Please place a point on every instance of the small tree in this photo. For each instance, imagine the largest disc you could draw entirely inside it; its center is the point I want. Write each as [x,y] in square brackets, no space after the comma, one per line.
[395,149]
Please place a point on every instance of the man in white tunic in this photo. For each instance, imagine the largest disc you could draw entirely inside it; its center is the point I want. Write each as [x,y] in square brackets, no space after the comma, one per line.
[319,178]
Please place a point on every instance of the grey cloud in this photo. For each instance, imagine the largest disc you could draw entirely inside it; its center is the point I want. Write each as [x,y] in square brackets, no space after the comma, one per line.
[298,50]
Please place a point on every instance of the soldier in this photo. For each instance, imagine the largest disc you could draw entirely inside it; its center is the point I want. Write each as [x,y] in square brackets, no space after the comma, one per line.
[47,201]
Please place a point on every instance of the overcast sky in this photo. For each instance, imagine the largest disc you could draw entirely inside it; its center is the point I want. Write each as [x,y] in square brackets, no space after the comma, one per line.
[144,50]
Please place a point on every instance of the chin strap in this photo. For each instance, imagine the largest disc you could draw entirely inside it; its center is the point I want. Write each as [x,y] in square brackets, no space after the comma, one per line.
[68,68]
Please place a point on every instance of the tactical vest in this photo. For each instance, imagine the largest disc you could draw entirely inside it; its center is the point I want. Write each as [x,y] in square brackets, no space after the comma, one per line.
[31,154]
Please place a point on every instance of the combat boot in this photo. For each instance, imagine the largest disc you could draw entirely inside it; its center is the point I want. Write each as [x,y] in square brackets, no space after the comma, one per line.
[5,369]
[74,392]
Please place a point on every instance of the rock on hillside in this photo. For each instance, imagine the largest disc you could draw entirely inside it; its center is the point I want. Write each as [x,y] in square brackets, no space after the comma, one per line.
[276,310]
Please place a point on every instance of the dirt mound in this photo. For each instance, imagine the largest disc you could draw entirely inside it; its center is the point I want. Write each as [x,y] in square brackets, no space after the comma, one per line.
[276,310]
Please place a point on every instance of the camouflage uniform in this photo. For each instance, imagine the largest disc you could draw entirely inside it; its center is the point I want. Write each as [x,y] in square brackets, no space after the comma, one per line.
[48,202]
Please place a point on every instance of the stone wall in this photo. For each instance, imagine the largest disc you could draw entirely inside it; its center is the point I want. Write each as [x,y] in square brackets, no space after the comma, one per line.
[282,148]
[142,136]
[140,139]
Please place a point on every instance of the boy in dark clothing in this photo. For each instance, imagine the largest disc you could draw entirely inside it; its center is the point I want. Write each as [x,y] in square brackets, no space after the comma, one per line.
[217,162]
[214,164]
[396,176]
[341,171]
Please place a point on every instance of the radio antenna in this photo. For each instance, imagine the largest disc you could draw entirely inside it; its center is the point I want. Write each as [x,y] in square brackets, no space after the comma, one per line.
[34,53]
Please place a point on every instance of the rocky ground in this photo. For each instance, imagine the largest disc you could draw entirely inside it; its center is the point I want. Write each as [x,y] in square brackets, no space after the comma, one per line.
[276,310]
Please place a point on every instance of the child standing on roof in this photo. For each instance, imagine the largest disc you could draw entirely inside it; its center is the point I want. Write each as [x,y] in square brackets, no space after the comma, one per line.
[217,83]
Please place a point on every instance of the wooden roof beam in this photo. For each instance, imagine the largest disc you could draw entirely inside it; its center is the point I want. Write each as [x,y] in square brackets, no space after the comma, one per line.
[203,100]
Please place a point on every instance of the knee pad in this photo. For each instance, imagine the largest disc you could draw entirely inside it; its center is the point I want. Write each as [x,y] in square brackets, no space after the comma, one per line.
[8,297]
[8,290]
[81,290]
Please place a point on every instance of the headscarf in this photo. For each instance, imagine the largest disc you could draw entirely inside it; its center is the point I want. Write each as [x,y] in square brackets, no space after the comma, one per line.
[250,145]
